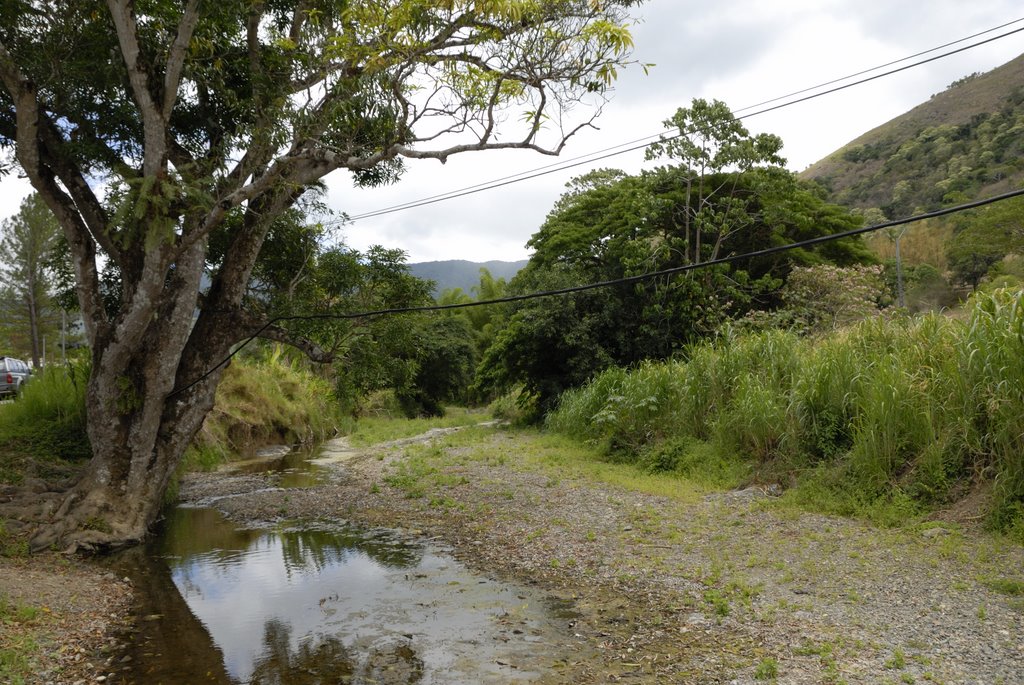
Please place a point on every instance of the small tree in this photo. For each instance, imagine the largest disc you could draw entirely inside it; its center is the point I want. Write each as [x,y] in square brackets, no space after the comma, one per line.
[710,140]
[28,241]
[824,297]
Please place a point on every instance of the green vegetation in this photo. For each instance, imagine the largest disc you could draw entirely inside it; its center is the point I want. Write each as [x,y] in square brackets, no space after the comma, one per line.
[42,434]
[372,430]
[768,669]
[724,193]
[963,143]
[11,545]
[1005,586]
[885,419]
[17,653]
[263,400]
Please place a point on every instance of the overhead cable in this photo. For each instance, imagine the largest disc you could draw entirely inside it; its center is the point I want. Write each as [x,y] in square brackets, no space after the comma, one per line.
[617,281]
[638,144]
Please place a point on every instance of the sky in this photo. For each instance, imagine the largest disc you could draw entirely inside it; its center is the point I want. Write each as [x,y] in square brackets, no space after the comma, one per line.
[742,52]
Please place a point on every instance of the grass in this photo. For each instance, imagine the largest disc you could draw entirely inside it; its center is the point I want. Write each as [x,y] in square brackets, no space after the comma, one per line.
[372,430]
[562,457]
[262,399]
[42,432]
[423,467]
[20,648]
[768,669]
[11,545]
[1005,586]
[886,420]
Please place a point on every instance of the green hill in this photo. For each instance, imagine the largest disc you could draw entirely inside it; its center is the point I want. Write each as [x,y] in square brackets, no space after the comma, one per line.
[459,273]
[964,143]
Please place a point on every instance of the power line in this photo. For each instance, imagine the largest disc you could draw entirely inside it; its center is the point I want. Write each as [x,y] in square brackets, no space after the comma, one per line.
[880,66]
[632,146]
[618,281]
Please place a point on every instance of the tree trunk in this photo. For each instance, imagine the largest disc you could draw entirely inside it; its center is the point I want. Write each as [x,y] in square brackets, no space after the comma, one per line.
[33,318]
[143,408]
[134,458]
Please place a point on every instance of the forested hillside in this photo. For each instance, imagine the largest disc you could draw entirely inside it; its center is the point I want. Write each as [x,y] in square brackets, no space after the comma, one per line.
[963,143]
[459,273]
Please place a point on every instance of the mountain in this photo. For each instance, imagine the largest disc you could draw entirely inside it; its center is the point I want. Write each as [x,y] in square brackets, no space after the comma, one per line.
[964,143]
[459,273]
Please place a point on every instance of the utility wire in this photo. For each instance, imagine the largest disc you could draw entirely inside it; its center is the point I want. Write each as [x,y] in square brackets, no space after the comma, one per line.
[618,281]
[880,66]
[631,146]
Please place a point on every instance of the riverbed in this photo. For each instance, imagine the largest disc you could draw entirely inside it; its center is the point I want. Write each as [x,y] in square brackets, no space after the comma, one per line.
[325,601]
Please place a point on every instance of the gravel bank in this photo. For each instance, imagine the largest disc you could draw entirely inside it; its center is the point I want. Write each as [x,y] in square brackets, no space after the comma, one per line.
[723,588]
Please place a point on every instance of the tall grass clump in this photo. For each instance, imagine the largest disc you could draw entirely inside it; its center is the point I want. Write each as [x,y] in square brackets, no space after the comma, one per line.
[886,418]
[43,430]
[755,379]
[992,360]
[267,399]
[622,410]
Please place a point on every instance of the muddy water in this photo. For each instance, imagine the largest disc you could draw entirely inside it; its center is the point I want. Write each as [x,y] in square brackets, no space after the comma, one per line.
[307,604]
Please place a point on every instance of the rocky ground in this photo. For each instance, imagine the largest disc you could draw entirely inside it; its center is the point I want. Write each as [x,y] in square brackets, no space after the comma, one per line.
[679,587]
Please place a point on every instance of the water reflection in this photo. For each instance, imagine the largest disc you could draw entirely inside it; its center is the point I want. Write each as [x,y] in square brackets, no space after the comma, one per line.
[305,606]
[293,468]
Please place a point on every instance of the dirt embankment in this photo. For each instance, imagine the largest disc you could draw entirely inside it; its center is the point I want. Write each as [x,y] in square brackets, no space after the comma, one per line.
[719,588]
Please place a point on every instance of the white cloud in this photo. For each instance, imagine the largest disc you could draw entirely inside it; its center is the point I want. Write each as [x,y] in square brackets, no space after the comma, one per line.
[738,51]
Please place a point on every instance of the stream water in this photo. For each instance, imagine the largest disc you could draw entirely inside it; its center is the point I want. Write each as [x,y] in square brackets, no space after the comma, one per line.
[310,604]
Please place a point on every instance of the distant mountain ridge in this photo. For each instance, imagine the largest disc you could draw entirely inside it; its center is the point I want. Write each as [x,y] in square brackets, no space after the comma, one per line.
[460,273]
[964,143]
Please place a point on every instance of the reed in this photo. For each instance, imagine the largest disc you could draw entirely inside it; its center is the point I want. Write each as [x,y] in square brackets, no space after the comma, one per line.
[886,418]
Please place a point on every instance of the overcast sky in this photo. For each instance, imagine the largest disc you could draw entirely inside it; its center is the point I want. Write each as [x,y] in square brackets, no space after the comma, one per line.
[740,51]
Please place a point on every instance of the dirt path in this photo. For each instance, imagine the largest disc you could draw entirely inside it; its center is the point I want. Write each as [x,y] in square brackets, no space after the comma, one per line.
[723,588]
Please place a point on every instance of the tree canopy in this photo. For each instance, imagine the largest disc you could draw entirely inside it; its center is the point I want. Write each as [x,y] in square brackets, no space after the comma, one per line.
[28,243]
[157,131]
[726,195]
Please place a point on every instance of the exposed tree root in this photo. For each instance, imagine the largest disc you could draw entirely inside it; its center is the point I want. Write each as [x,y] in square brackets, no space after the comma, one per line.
[64,519]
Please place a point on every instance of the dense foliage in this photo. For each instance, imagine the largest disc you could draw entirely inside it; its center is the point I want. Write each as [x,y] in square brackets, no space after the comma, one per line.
[726,197]
[887,418]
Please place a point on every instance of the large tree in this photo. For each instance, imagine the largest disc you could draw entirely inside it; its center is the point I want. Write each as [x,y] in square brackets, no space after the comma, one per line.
[154,129]
[28,241]
[726,196]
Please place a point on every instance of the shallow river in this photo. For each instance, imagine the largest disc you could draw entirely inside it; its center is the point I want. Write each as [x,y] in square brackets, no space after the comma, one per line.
[305,604]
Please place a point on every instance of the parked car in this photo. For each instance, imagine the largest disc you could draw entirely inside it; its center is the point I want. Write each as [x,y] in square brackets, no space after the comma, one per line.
[14,373]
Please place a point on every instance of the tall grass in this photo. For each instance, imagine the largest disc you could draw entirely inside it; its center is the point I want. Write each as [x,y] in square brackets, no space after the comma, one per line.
[262,399]
[891,415]
[43,430]
[269,399]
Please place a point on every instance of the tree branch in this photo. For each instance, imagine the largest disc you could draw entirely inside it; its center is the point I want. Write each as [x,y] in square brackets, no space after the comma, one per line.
[154,126]
[176,58]
[278,334]
[28,150]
